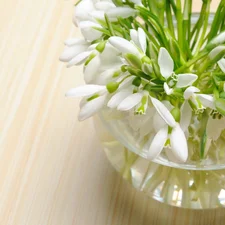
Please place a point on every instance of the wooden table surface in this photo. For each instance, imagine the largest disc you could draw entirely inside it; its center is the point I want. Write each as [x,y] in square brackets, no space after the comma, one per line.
[52,168]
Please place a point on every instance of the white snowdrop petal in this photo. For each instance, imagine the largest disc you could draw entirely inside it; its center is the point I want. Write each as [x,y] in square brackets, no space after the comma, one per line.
[165,63]
[178,143]
[184,80]
[91,107]
[190,91]
[158,122]
[221,64]
[163,112]
[214,128]
[167,89]
[120,12]
[75,41]
[206,100]
[142,39]
[130,101]
[79,59]
[91,70]
[71,52]
[186,114]
[85,90]
[97,14]
[134,37]
[123,45]
[216,51]
[158,143]
[118,98]
[104,5]
[82,10]
[220,39]
[88,31]
[137,2]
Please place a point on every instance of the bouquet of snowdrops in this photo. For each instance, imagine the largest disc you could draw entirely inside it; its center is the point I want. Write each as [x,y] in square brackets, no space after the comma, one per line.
[148,58]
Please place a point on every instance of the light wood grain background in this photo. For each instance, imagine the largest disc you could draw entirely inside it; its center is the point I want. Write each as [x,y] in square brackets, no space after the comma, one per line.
[52,168]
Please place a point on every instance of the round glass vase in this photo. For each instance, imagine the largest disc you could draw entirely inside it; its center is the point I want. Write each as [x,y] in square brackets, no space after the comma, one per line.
[194,184]
[199,183]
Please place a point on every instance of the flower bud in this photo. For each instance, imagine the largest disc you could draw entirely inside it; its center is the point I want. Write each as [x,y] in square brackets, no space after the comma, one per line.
[112,87]
[146,59]
[137,81]
[133,60]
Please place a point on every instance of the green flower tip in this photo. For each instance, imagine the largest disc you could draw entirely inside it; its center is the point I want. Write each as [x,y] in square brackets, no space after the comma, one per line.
[112,87]
[133,60]
[101,46]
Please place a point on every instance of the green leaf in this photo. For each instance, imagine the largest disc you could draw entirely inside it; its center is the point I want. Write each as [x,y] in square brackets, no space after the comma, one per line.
[220,105]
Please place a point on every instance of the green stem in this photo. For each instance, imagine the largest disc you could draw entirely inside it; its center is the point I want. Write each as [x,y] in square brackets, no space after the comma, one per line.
[205,26]
[199,26]
[216,21]
[202,132]
[169,18]
[191,62]
[187,27]
[179,17]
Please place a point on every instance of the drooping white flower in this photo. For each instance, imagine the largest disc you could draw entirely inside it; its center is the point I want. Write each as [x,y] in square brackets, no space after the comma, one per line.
[200,101]
[89,10]
[102,64]
[89,106]
[124,12]
[177,139]
[73,48]
[82,11]
[166,66]
[139,38]
[124,46]
[88,30]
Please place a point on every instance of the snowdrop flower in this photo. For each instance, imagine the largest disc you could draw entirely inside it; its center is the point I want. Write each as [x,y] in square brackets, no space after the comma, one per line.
[139,38]
[94,99]
[88,30]
[166,65]
[198,101]
[75,47]
[89,10]
[102,64]
[124,46]
[137,46]
[170,134]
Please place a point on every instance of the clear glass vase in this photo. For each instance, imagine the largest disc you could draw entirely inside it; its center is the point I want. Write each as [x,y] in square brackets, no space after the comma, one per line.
[199,183]
[194,184]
